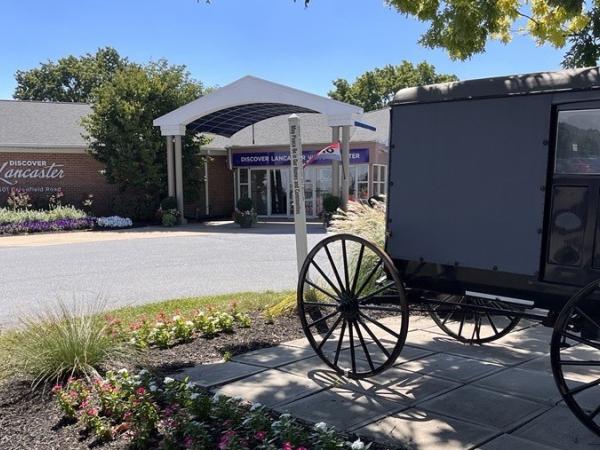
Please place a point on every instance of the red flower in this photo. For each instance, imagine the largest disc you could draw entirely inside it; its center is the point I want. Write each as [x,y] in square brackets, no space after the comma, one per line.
[92,412]
[260,435]
[140,391]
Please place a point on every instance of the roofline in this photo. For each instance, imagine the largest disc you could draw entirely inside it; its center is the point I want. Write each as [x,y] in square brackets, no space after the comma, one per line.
[37,145]
[15,100]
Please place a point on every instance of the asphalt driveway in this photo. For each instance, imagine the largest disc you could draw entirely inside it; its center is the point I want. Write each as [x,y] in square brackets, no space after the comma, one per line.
[145,266]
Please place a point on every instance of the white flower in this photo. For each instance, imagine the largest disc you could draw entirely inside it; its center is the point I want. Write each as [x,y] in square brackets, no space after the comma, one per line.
[321,426]
[255,406]
[194,395]
[189,323]
[285,416]
[168,380]
[176,318]
[142,372]
[153,388]
[237,398]
[358,445]
[132,340]
[123,372]
[158,325]
[216,397]
[114,222]
[276,424]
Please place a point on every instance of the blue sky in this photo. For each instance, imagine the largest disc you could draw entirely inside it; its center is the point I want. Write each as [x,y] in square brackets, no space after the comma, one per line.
[275,39]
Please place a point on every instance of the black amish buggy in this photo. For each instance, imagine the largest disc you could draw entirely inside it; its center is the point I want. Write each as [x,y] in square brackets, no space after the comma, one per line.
[492,217]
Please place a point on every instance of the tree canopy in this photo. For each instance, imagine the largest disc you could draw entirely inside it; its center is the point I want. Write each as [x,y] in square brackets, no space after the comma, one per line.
[375,88]
[70,79]
[463,27]
[122,137]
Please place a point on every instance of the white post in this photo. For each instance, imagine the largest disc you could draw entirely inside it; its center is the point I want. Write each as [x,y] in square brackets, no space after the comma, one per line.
[170,174]
[298,190]
[179,176]
[335,165]
[345,165]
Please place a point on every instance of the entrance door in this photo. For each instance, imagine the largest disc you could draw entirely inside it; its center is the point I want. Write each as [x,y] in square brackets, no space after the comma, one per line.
[573,238]
[280,182]
[259,190]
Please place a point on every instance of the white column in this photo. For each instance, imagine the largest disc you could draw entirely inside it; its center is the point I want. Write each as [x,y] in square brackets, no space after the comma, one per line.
[345,165]
[298,190]
[179,176]
[170,174]
[335,165]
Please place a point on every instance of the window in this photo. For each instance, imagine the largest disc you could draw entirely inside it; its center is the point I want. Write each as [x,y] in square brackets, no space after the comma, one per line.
[359,182]
[244,190]
[379,179]
[578,142]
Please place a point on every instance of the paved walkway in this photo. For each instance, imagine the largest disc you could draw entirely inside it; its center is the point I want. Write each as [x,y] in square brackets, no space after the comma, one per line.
[440,395]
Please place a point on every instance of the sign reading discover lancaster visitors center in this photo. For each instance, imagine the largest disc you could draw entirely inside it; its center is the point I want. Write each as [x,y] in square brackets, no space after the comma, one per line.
[357,156]
[20,173]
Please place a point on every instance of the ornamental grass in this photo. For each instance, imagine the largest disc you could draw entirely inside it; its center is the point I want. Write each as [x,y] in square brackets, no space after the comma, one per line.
[62,342]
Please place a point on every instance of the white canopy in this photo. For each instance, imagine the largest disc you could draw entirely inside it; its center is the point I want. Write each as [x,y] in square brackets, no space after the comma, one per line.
[248,100]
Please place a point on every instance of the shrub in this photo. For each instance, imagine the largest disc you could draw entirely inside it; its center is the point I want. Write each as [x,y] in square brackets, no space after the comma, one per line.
[244,204]
[18,199]
[8,215]
[168,203]
[331,203]
[62,342]
[169,219]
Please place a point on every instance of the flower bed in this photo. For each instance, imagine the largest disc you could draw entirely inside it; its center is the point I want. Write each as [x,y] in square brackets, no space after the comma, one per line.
[114,222]
[165,332]
[173,414]
[37,226]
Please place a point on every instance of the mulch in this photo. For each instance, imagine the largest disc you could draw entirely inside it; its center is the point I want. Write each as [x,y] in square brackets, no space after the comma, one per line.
[31,420]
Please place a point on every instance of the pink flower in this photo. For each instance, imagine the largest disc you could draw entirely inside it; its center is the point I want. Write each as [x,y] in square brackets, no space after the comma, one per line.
[57,388]
[287,446]
[301,448]
[260,435]
[140,391]
[92,412]
[188,442]
[127,415]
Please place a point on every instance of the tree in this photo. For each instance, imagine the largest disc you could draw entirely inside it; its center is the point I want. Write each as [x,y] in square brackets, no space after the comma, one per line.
[375,88]
[463,27]
[70,79]
[122,137]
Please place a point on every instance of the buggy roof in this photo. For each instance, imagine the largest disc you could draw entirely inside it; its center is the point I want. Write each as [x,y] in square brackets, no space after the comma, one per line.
[531,83]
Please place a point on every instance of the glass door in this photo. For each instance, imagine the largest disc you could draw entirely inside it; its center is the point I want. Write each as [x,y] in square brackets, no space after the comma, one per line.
[280,182]
[259,191]
[323,186]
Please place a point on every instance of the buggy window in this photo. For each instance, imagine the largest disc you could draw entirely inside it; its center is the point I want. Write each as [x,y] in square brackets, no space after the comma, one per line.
[578,142]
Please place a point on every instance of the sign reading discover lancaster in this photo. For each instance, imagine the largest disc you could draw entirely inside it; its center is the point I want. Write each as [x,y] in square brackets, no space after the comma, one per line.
[15,172]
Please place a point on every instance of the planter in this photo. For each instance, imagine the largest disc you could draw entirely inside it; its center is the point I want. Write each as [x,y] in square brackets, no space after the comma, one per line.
[246,221]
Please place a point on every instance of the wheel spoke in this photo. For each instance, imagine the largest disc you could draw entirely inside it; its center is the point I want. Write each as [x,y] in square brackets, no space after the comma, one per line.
[489,318]
[382,308]
[357,269]
[594,413]
[339,345]
[368,279]
[379,344]
[326,305]
[330,332]
[326,277]
[592,321]
[352,356]
[345,256]
[380,325]
[320,289]
[374,294]
[364,347]
[318,321]
[462,324]
[583,387]
[579,363]
[335,271]
[581,340]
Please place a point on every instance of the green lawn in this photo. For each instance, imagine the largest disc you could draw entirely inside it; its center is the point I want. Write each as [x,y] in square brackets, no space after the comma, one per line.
[246,301]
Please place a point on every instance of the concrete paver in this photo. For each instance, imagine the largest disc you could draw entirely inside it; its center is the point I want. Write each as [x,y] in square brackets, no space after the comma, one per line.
[271,388]
[559,428]
[507,441]
[421,430]
[484,407]
[452,367]
[274,356]
[209,375]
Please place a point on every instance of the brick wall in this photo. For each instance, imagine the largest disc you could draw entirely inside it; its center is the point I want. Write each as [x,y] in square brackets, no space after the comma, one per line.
[75,172]
[220,192]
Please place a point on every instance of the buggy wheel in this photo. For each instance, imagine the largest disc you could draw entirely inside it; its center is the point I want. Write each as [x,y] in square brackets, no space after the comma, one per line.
[352,306]
[575,355]
[457,317]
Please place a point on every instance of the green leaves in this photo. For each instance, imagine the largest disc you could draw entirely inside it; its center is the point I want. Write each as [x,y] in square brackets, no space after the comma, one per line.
[375,88]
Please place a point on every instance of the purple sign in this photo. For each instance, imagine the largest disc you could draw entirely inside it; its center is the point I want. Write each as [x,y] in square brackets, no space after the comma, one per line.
[357,156]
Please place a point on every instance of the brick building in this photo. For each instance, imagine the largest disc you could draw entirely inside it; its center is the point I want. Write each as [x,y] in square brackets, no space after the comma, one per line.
[42,149]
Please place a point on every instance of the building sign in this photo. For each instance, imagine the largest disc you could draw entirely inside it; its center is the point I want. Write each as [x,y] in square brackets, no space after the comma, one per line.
[357,156]
[15,173]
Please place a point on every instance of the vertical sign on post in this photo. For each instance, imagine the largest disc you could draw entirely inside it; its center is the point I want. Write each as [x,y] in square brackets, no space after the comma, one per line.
[298,189]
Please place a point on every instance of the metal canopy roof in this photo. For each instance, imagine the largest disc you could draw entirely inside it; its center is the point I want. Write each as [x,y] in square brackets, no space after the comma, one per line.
[226,122]
[248,100]
[533,83]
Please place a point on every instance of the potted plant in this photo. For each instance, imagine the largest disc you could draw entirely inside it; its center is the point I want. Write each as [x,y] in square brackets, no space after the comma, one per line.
[168,212]
[244,214]
[331,203]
